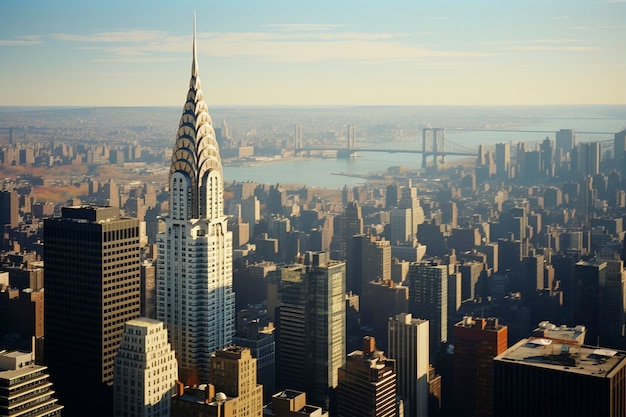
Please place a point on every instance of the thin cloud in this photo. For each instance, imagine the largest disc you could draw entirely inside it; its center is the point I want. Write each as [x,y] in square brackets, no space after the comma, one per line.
[337,46]
[549,44]
[596,28]
[136,59]
[302,43]
[21,41]
[535,41]
[552,48]
[119,36]
[302,27]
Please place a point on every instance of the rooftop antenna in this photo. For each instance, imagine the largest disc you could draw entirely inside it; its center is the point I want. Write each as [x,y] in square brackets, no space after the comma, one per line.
[194,64]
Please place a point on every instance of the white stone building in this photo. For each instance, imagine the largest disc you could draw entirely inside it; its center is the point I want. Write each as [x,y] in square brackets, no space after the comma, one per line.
[145,371]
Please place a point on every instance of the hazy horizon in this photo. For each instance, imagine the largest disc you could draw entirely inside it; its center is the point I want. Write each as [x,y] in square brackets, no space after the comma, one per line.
[281,53]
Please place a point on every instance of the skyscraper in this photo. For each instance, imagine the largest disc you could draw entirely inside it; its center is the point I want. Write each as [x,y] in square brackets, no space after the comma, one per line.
[145,371]
[566,140]
[262,345]
[552,373]
[476,343]
[92,269]
[619,150]
[312,326]
[503,160]
[195,298]
[348,224]
[408,345]
[9,210]
[600,298]
[409,200]
[371,261]
[428,298]
[400,224]
[367,383]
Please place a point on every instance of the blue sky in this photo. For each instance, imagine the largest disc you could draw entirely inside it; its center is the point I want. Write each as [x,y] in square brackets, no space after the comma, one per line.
[127,53]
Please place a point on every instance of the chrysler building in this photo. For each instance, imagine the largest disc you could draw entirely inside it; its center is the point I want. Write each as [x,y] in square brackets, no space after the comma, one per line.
[195,295]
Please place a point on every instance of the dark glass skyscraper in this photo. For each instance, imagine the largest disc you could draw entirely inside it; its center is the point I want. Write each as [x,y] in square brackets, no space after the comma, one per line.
[91,257]
[312,326]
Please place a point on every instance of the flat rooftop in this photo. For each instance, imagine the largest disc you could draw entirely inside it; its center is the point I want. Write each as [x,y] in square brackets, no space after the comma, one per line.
[566,357]
[16,373]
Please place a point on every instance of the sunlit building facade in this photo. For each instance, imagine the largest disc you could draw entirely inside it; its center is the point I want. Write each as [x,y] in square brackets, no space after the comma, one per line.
[145,371]
[195,298]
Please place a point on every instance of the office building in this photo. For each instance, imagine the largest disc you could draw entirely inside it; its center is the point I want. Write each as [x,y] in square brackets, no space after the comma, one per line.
[260,341]
[251,213]
[392,195]
[586,159]
[25,388]
[619,151]
[24,313]
[311,325]
[503,160]
[589,277]
[408,345]
[532,274]
[470,275]
[367,383]
[92,269]
[547,157]
[348,224]
[492,251]
[409,200]
[233,390]
[428,298]
[371,261]
[565,140]
[400,224]
[600,299]
[383,299]
[552,373]
[9,209]
[510,254]
[290,403]
[145,371]
[533,168]
[476,342]
[233,372]
[195,298]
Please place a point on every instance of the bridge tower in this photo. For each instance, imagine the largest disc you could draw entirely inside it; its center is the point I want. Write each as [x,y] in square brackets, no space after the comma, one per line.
[433,143]
[351,137]
[297,137]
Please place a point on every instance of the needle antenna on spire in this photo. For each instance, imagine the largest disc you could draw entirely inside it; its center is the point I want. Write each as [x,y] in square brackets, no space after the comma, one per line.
[194,64]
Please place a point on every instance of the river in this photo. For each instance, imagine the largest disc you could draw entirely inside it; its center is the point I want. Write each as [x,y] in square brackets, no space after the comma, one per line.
[323,172]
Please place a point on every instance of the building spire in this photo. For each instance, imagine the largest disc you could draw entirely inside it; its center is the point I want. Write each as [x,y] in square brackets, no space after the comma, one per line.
[194,63]
[196,154]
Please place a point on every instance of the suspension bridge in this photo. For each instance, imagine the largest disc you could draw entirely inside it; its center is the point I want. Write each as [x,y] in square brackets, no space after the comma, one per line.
[432,144]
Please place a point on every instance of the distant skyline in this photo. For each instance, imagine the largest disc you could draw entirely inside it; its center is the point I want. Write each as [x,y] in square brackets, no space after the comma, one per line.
[137,53]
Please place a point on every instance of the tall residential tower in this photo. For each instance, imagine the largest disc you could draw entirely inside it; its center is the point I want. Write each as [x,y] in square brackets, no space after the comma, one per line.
[195,298]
